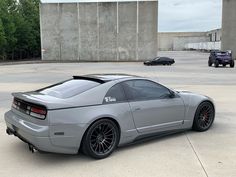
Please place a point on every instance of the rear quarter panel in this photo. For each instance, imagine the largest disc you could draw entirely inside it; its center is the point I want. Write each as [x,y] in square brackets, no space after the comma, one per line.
[75,121]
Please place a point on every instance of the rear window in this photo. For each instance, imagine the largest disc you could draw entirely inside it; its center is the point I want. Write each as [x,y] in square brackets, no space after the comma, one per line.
[69,88]
[222,53]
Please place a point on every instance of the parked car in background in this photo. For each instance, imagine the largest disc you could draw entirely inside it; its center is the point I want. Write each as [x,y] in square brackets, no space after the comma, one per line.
[160,61]
[97,113]
[220,58]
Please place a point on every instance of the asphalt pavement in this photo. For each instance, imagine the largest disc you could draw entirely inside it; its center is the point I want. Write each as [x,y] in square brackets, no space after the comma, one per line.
[188,154]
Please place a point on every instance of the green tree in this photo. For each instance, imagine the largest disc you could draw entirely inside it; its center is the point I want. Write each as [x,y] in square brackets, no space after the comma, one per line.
[19,29]
[3,41]
[29,9]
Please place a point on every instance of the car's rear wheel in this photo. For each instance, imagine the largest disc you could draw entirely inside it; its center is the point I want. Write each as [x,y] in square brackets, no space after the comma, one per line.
[204,117]
[216,63]
[209,63]
[101,139]
[232,64]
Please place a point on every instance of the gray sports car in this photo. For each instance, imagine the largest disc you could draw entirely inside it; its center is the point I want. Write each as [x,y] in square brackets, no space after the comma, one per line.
[97,113]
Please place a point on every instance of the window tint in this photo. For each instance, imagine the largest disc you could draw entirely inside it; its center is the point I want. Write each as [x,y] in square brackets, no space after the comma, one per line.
[69,88]
[144,90]
[115,94]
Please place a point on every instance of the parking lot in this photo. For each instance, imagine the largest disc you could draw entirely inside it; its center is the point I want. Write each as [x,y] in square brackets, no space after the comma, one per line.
[189,154]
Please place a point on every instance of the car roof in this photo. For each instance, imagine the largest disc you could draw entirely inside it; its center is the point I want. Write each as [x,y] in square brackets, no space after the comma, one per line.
[102,78]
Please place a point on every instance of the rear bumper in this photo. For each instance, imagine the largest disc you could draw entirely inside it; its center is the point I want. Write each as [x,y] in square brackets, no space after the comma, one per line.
[224,61]
[37,136]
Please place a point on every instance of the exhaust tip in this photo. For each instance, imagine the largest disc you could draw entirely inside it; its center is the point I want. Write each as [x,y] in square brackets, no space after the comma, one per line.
[32,148]
[8,131]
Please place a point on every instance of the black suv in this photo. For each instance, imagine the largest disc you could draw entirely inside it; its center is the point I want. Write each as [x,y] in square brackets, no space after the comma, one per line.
[220,58]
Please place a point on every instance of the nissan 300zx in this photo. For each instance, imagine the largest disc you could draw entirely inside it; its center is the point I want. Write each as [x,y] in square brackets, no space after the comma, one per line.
[97,113]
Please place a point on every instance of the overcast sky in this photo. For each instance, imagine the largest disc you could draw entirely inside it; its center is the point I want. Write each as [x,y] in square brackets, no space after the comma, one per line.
[189,15]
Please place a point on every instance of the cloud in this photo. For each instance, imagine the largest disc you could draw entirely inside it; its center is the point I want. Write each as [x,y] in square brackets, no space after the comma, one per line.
[189,15]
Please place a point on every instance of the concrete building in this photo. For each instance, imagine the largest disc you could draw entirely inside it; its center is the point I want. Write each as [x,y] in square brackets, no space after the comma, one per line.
[229,26]
[213,42]
[215,35]
[98,30]
[174,41]
[177,41]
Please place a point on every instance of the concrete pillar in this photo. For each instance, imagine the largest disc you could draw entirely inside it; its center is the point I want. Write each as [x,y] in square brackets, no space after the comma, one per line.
[229,26]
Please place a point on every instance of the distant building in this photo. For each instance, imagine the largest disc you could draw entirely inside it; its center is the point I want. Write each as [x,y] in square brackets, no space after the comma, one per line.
[98,30]
[178,41]
[215,35]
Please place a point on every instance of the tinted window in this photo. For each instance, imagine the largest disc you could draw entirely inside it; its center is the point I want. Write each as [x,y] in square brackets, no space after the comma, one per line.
[69,88]
[115,94]
[144,90]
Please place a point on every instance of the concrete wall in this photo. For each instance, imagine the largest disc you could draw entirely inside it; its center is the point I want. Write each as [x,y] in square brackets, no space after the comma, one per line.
[99,31]
[229,26]
[205,46]
[177,40]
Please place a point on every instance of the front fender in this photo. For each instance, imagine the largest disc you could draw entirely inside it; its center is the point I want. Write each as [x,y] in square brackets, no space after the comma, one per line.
[192,101]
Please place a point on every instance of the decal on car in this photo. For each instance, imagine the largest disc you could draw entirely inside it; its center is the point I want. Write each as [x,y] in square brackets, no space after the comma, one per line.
[110,99]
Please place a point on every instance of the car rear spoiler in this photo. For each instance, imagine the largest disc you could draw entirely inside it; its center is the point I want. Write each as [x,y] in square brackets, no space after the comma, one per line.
[42,100]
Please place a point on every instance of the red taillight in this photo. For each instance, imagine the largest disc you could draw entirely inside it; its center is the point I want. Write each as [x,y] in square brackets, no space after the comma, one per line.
[38,112]
[33,110]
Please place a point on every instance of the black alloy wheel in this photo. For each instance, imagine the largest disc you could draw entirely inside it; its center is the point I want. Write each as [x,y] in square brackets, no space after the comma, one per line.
[101,139]
[204,117]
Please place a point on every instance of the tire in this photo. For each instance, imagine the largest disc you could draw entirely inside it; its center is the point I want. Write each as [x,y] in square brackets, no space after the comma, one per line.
[204,117]
[209,63]
[101,139]
[216,64]
[232,64]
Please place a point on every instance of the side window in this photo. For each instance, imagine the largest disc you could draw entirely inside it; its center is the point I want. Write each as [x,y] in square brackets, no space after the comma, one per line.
[115,94]
[137,90]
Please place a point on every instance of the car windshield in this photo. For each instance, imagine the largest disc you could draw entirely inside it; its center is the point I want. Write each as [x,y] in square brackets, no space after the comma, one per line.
[69,88]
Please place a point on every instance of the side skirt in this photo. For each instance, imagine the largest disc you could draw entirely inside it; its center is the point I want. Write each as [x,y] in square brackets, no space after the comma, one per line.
[152,136]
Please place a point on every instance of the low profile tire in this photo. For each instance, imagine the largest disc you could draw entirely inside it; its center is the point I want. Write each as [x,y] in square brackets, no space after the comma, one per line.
[204,117]
[232,64]
[101,139]
[216,64]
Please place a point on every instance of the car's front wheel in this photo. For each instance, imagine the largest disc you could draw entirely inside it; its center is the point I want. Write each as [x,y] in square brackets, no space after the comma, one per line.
[101,139]
[204,117]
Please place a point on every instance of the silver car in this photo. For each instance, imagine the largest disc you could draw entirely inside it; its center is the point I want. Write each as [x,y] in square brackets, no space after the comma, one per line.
[97,113]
